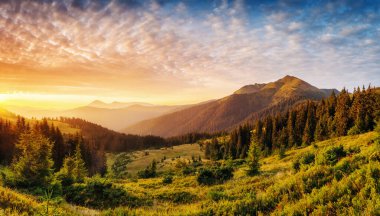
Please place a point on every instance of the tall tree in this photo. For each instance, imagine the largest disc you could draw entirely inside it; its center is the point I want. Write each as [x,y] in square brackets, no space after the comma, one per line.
[342,119]
[253,157]
[33,163]
[308,134]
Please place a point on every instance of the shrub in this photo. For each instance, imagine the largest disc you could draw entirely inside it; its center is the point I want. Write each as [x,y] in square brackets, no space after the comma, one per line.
[296,165]
[167,179]
[178,197]
[206,177]
[305,159]
[215,175]
[216,194]
[308,158]
[149,172]
[332,155]
[98,193]
[188,170]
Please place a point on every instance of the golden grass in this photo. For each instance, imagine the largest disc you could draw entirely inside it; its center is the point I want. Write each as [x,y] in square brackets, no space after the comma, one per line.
[141,159]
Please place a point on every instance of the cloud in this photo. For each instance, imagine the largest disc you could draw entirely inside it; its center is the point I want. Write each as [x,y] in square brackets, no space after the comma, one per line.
[136,47]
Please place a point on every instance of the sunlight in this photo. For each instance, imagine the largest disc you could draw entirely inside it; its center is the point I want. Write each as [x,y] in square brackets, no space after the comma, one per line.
[41,100]
[3,98]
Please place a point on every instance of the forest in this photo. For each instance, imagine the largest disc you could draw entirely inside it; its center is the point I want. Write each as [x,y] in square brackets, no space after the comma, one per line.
[302,125]
[287,163]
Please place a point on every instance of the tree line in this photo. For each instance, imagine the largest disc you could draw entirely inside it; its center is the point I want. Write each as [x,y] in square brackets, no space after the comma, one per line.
[337,115]
[94,140]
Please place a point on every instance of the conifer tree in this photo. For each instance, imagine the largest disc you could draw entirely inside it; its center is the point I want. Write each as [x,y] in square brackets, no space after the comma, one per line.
[253,158]
[290,128]
[342,119]
[80,170]
[33,163]
[308,135]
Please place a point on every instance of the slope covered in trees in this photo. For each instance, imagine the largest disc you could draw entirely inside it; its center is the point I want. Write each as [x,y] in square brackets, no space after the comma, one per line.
[230,111]
[304,124]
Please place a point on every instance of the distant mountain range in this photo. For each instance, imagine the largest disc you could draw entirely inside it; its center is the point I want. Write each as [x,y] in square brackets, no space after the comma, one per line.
[246,104]
[243,105]
[117,105]
[115,116]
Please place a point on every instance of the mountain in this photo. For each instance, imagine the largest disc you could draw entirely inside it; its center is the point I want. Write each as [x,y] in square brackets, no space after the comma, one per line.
[117,119]
[116,104]
[227,112]
[112,118]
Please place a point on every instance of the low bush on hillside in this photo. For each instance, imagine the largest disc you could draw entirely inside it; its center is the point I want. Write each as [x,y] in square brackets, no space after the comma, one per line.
[149,172]
[168,179]
[216,175]
[177,197]
[305,159]
[100,194]
[331,155]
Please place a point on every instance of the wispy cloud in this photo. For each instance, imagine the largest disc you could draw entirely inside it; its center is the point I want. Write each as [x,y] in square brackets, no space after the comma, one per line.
[177,49]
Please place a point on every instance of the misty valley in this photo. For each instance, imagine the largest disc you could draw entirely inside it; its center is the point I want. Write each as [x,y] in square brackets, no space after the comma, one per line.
[189,108]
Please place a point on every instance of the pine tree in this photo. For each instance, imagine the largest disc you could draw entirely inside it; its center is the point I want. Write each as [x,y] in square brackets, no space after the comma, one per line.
[66,173]
[33,165]
[80,170]
[308,135]
[58,147]
[342,119]
[290,128]
[253,158]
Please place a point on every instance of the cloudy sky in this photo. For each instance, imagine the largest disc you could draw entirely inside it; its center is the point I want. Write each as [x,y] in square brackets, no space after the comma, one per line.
[67,52]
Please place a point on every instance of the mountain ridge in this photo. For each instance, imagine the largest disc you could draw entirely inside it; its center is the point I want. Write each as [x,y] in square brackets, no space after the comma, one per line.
[226,112]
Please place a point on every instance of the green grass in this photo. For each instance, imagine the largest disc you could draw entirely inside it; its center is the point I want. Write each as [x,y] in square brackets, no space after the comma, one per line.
[140,159]
[317,188]
[275,174]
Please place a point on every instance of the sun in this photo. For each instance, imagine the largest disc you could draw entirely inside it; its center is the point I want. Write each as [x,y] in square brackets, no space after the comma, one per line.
[3,97]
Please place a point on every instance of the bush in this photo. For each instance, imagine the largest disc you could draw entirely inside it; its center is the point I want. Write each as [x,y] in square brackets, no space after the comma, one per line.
[187,170]
[332,155]
[167,179]
[178,197]
[206,177]
[99,194]
[216,194]
[215,175]
[149,172]
[308,158]
[305,159]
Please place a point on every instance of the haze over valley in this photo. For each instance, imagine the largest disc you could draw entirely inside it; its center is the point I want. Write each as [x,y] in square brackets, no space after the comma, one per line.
[199,108]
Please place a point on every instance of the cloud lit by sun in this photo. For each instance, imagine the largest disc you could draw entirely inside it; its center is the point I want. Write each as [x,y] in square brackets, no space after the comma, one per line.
[180,51]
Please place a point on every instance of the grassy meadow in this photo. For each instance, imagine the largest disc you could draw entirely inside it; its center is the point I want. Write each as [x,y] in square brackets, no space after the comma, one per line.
[167,157]
[324,185]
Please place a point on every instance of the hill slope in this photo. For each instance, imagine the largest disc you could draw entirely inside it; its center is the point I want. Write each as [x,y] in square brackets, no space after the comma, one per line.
[229,111]
[115,116]
[322,184]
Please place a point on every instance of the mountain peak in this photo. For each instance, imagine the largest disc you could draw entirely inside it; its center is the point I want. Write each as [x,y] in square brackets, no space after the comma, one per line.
[97,103]
[248,89]
[288,78]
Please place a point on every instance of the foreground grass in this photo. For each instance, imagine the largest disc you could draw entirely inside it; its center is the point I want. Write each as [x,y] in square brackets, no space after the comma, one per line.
[349,186]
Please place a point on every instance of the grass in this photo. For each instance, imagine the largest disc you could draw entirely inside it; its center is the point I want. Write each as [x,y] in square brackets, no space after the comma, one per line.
[140,159]
[277,190]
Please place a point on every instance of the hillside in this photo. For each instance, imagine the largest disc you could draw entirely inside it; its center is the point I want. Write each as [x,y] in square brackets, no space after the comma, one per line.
[309,179]
[232,110]
[107,115]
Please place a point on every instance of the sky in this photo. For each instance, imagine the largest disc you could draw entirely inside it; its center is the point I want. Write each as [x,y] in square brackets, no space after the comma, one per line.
[63,53]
